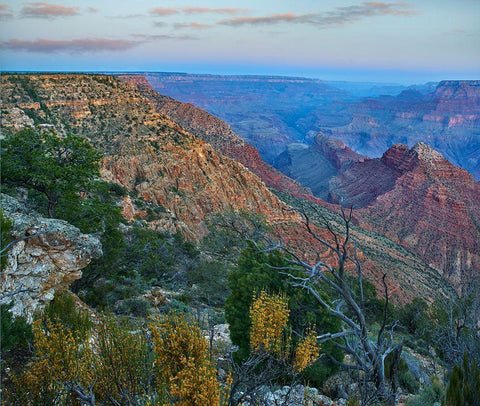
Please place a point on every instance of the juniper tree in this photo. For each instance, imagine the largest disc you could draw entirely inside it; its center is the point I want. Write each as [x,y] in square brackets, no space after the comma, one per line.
[54,166]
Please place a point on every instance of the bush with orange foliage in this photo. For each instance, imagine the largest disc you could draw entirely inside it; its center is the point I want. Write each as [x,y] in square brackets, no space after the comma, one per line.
[269,314]
[115,365]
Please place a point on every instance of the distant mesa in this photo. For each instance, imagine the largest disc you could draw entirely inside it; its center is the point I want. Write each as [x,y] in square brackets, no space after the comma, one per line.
[412,195]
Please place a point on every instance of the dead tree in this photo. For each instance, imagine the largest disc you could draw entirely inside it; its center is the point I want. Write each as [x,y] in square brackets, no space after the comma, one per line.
[367,354]
[253,377]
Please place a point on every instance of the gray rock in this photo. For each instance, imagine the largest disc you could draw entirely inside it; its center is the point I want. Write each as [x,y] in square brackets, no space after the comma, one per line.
[40,265]
[415,368]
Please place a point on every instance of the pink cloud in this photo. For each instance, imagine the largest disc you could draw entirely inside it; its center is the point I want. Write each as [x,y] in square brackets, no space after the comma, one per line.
[68,46]
[157,37]
[162,11]
[271,19]
[335,17]
[191,25]
[5,13]
[46,10]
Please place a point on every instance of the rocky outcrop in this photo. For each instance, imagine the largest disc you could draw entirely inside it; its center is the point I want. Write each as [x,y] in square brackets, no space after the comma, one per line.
[413,196]
[316,165]
[182,179]
[49,259]
[458,96]
[447,119]
[266,111]
[16,119]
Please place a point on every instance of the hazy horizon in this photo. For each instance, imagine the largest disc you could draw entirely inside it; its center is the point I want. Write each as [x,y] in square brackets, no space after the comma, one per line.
[396,42]
[333,77]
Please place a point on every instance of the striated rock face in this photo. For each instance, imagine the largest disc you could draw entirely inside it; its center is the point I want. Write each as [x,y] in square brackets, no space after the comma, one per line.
[414,197]
[144,150]
[447,119]
[314,166]
[41,265]
[453,96]
[16,119]
[218,134]
[266,111]
[419,199]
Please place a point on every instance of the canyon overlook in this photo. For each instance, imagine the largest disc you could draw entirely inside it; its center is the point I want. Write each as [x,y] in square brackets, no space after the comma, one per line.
[191,165]
[273,112]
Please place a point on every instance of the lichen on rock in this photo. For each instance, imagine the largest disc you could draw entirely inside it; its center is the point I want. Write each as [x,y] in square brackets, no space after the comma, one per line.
[48,261]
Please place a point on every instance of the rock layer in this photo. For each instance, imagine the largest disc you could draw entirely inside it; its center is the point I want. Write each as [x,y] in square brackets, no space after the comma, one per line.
[218,134]
[413,196]
[447,119]
[419,199]
[183,177]
[314,166]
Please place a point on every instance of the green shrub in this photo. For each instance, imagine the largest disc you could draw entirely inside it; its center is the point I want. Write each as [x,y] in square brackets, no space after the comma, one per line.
[210,282]
[133,307]
[428,396]
[175,306]
[464,384]
[5,227]
[352,401]
[413,317]
[57,167]
[256,271]
[62,309]
[16,333]
[408,382]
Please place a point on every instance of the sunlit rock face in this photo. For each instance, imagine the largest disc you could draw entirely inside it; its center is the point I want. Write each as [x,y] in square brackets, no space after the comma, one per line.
[49,260]
[414,196]
[184,179]
[447,119]
[217,133]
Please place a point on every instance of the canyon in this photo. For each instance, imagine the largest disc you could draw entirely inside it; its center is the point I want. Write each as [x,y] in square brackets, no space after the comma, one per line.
[412,195]
[274,112]
[192,165]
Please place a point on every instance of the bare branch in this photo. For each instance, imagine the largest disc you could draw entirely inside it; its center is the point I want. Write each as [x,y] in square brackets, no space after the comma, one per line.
[17,240]
[14,293]
[329,336]
[368,355]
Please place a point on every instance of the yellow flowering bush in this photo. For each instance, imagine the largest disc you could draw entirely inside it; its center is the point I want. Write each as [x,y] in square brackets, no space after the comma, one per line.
[116,365]
[124,363]
[182,363]
[61,360]
[269,315]
[307,351]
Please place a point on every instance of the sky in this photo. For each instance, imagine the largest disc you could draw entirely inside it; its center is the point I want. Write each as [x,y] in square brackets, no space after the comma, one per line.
[412,41]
